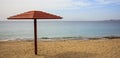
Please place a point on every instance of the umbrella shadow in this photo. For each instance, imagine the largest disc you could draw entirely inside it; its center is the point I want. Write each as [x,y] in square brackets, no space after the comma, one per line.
[73,55]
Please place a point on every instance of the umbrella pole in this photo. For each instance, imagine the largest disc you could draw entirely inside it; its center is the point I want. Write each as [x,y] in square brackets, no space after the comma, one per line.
[35,36]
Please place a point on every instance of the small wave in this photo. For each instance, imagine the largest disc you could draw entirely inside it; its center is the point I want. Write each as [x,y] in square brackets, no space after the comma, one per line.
[14,39]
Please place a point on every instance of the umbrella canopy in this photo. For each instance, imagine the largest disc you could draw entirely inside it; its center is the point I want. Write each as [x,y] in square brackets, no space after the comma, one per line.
[35,15]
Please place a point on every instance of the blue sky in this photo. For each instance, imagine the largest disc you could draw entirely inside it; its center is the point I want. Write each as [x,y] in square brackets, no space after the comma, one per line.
[70,10]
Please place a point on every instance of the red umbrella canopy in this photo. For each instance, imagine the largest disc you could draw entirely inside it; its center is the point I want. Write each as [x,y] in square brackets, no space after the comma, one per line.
[35,15]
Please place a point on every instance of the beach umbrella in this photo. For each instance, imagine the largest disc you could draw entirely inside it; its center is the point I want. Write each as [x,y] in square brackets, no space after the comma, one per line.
[34,15]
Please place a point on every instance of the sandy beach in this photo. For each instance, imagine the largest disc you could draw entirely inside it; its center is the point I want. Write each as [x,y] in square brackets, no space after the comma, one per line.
[104,48]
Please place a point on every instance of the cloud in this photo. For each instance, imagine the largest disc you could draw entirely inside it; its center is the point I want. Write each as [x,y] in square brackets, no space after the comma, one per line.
[60,4]
[108,1]
[54,4]
[82,4]
[44,4]
[11,7]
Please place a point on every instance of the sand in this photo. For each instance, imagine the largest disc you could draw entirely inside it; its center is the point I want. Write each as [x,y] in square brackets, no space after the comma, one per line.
[109,48]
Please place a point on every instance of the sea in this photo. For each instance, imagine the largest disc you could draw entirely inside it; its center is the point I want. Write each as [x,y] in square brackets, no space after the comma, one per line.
[52,29]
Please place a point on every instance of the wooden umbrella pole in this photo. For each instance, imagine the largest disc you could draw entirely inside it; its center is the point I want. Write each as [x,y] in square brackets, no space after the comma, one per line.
[35,36]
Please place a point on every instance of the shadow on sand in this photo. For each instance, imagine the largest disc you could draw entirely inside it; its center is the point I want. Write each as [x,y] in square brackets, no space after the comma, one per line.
[73,55]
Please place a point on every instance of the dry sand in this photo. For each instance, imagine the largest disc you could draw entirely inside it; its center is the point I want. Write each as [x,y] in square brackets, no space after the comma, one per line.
[62,49]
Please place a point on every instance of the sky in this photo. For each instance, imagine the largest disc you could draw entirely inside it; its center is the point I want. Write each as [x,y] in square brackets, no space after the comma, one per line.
[70,10]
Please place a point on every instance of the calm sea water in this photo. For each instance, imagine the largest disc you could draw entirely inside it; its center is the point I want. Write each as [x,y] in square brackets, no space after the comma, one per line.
[24,29]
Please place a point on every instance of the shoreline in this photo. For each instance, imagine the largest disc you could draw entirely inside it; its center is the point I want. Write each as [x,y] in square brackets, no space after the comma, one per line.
[62,38]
